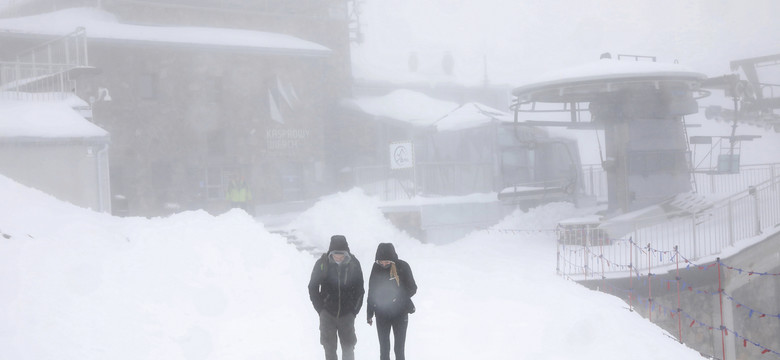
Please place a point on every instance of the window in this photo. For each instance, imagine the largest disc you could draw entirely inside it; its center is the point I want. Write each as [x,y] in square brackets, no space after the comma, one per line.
[654,162]
[517,165]
[213,183]
[213,88]
[147,86]
[216,143]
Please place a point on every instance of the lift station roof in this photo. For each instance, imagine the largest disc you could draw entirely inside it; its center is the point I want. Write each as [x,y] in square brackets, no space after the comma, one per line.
[585,82]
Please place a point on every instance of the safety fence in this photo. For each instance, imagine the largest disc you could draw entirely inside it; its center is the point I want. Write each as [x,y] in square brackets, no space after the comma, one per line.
[426,178]
[764,322]
[707,182]
[589,249]
[655,295]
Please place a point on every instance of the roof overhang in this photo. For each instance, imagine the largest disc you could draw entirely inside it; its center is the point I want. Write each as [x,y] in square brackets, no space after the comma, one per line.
[587,82]
[102,28]
[22,141]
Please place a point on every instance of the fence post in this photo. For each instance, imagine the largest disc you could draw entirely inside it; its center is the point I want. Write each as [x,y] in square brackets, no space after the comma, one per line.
[731,223]
[83,38]
[558,251]
[679,309]
[631,274]
[18,74]
[693,236]
[649,285]
[752,191]
[722,328]
[49,58]
[712,184]
[585,254]
[558,259]
[601,253]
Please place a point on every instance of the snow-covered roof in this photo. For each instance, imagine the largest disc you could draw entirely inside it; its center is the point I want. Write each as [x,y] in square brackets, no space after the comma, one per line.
[403,105]
[607,72]
[103,25]
[36,119]
[471,115]
[420,110]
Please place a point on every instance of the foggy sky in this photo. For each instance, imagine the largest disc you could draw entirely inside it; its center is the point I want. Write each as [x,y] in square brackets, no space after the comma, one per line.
[521,38]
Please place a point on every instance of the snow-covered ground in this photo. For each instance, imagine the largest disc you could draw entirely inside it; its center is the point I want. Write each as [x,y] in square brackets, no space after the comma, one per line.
[83,285]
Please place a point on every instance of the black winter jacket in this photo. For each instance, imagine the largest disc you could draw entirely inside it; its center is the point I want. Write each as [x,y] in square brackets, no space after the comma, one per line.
[338,289]
[386,297]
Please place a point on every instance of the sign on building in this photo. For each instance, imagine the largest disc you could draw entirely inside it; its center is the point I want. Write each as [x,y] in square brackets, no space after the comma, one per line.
[401,155]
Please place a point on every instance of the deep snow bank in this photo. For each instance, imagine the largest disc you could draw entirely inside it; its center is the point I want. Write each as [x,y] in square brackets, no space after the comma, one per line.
[82,285]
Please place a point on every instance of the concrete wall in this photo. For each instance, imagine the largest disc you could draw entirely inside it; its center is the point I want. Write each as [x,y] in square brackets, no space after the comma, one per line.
[699,299]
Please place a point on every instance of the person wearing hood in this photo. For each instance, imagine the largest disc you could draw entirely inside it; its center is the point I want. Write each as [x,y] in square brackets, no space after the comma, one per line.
[391,286]
[336,292]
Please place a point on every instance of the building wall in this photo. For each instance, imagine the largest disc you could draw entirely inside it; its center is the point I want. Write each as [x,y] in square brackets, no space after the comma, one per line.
[185,119]
[69,172]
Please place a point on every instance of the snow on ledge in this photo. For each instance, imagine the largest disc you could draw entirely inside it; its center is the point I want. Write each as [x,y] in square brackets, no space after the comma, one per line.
[100,24]
[54,119]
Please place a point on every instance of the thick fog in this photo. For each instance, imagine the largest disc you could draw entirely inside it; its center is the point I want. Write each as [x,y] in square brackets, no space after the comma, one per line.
[245,133]
[519,40]
[293,114]
[203,103]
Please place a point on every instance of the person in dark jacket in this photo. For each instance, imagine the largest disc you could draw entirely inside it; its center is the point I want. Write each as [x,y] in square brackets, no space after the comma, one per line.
[390,289]
[336,291]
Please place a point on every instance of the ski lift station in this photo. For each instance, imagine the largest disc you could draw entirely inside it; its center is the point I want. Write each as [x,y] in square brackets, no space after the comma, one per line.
[668,215]
[638,105]
[451,169]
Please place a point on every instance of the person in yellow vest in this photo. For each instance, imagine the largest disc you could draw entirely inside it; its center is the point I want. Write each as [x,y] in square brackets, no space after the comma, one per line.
[239,194]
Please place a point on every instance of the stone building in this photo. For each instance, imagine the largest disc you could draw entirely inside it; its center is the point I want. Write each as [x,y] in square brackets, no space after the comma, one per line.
[195,93]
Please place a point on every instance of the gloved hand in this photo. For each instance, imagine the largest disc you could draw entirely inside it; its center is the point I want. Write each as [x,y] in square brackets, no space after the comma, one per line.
[370,321]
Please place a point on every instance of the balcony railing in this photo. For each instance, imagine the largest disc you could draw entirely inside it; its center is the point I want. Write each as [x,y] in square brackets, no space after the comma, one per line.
[46,68]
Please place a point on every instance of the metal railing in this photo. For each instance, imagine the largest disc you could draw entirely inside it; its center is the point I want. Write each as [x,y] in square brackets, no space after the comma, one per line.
[29,78]
[437,178]
[68,50]
[46,67]
[594,181]
[708,182]
[591,251]
[384,182]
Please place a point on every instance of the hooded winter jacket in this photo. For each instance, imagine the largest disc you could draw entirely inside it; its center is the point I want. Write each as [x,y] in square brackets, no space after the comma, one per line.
[390,296]
[337,288]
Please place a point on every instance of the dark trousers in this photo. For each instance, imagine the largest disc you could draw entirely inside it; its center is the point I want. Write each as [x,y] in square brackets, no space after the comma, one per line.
[335,330]
[383,326]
